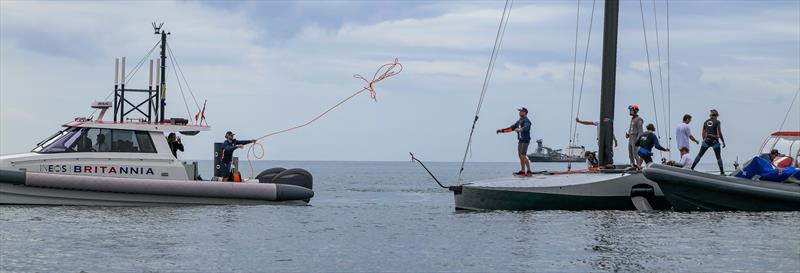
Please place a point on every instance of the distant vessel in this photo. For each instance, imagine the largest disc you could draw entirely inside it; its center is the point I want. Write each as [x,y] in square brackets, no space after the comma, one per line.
[573,153]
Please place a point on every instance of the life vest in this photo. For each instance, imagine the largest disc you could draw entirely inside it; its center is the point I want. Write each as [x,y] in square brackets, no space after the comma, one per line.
[782,162]
[646,141]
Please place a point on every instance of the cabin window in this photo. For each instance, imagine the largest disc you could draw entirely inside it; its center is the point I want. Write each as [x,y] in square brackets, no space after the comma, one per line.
[99,140]
[129,141]
[95,140]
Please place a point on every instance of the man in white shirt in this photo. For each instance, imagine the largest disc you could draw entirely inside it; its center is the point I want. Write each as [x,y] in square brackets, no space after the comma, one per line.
[686,159]
[683,133]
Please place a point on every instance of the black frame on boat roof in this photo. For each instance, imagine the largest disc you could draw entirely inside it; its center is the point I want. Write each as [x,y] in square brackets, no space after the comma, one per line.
[156,95]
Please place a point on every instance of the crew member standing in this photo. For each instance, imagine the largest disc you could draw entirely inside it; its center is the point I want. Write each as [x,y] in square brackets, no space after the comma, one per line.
[634,132]
[712,135]
[230,145]
[523,129]
[683,133]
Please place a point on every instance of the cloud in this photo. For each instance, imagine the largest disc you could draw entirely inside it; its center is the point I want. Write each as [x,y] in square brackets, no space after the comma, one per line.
[265,66]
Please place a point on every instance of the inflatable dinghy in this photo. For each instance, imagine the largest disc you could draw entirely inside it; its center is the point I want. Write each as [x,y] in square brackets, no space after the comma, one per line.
[689,190]
[19,187]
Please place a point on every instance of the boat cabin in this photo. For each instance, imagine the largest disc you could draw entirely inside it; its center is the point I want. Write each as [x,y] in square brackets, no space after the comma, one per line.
[130,149]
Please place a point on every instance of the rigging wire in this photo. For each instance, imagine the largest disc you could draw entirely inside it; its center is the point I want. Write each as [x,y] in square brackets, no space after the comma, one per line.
[574,72]
[178,67]
[128,77]
[660,76]
[140,63]
[796,94]
[649,70]
[501,30]
[180,87]
[669,90]
[583,73]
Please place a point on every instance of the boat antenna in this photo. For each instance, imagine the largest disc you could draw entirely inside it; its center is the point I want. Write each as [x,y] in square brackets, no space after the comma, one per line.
[498,40]
[162,86]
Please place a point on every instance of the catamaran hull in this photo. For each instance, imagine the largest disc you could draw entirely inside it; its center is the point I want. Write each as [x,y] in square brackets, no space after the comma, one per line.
[21,188]
[695,191]
[600,192]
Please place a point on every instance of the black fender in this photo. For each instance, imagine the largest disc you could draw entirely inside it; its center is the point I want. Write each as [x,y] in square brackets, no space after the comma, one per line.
[267,175]
[296,176]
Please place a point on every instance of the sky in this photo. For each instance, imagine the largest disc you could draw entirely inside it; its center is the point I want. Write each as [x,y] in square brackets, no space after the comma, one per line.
[268,65]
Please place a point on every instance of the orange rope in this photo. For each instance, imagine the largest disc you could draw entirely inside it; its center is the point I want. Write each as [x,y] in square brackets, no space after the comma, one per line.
[385,71]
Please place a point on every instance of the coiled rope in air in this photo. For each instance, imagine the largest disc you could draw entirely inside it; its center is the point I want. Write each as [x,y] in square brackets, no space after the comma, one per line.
[385,71]
[498,40]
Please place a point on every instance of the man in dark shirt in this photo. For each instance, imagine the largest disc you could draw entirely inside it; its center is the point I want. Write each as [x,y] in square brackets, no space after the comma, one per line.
[230,145]
[175,144]
[646,143]
[523,129]
[712,135]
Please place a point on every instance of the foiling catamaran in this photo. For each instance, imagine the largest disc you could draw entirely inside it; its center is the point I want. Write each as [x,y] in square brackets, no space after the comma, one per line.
[612,187]
[128,162]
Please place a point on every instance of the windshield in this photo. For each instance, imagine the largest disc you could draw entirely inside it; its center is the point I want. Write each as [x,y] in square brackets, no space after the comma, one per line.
[788,146]
[98,140]
[66,141]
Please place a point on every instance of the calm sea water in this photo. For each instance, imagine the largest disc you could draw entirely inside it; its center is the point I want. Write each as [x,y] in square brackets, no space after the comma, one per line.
[389,216]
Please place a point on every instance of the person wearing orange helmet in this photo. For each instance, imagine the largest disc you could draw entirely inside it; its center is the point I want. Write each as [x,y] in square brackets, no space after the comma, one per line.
[635,131]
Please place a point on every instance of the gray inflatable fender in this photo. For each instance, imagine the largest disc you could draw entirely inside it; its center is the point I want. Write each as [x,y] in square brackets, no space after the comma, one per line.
[267,175]
[296,176]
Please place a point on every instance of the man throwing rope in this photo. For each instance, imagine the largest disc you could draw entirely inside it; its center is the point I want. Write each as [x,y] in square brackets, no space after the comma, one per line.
[523,129]
[230,145]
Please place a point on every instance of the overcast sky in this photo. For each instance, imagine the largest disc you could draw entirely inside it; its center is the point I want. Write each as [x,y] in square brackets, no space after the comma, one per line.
[267,65]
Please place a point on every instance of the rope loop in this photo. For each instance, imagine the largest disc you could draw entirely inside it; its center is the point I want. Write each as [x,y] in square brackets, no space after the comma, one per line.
[383,72]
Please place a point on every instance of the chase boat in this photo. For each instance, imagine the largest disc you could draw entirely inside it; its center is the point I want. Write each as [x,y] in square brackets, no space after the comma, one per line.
[759,186]
[128,161]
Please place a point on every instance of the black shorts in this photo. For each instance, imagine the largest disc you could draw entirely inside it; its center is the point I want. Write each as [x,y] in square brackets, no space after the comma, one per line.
[522,148]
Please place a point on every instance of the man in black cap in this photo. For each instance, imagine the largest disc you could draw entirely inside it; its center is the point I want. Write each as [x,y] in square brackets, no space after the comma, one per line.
[230,145]
[523,129]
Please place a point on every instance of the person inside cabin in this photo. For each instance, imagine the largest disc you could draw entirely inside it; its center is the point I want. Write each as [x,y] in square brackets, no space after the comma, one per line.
[596,124]
[228,147]
[591,160]
[683,133]
[646,143]
[101,145]
[523,129]
[712,136]
[175,144]
[634,132]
